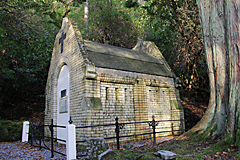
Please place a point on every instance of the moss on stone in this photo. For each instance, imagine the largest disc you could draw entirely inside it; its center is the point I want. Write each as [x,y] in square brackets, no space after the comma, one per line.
[174,104]
[237,137]
[96,103]
[209,132]
[110,155]
[81,148]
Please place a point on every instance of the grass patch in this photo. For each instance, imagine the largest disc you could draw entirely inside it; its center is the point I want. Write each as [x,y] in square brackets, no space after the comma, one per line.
[186,148]
[221,146]
[81,148]
[134,154]
[183,148]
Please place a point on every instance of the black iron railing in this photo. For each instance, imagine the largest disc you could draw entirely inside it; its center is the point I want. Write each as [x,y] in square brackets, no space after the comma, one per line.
[38,138]
[120,126]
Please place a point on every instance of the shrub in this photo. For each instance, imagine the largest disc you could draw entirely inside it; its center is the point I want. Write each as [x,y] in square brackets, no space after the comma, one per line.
[10,131]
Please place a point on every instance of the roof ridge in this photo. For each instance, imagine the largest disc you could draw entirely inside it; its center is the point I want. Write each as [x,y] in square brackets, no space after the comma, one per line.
[125,57]
[80,42]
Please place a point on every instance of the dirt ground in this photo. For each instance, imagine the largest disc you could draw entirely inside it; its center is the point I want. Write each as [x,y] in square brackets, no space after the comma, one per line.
[194,106]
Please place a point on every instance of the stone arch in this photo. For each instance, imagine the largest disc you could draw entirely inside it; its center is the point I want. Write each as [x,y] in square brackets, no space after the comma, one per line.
[63,105]
[62,61]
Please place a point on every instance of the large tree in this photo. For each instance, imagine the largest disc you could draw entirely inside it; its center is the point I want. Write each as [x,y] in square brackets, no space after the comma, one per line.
[220,23]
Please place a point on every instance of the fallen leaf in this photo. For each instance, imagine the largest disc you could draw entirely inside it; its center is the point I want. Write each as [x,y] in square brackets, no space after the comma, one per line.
[217,155]
[225,153]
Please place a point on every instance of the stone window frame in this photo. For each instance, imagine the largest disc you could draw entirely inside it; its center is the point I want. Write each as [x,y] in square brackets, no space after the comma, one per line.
[125,95]
[154,94]
[117,94]
[107,93]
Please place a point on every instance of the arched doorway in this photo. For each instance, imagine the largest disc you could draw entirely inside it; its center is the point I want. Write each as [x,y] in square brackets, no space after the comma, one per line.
[63,101]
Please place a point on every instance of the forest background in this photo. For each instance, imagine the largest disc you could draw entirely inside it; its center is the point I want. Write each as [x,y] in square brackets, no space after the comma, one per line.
[28,30]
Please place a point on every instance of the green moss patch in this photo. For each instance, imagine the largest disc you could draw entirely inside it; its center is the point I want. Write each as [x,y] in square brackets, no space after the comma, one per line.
[96,103]
[93,103]
[186,148]
[174,104]
[134,154]
[81,148]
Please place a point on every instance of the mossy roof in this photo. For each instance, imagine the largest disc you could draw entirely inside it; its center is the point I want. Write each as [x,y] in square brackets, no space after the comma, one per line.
[107,56]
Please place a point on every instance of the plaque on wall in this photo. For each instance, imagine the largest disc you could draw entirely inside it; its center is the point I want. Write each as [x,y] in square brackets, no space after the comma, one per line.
[63,106]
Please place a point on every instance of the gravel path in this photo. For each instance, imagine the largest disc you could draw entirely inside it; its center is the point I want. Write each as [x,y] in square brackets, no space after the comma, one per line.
[24,151]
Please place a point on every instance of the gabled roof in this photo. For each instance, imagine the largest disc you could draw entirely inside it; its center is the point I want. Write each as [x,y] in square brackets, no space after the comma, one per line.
[107,56]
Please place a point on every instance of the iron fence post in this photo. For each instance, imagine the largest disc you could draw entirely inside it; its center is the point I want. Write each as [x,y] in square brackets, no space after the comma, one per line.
[154,131]
[153,124]
[117,132]
[51,129]
[31,134]
[40,135]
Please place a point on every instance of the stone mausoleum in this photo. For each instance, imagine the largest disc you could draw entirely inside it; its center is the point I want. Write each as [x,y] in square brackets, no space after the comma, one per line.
[93,83]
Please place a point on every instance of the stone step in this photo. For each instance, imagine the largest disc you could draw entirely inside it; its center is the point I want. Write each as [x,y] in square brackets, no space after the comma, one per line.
[166,154]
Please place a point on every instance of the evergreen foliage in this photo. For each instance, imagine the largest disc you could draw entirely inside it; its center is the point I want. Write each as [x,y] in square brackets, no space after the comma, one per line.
[10,131]
[29,27]
[179,25]
[26,46]
[175,28]
[109,22]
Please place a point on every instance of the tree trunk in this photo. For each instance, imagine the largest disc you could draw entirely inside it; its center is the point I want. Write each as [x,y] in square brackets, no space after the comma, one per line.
[86,13]
[220,25]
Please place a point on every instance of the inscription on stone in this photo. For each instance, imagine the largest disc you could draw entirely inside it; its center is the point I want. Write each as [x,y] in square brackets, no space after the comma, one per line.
[63,107]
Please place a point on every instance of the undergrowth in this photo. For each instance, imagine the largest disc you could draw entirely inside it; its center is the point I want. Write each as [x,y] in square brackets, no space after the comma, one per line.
[10,131]
[186,148]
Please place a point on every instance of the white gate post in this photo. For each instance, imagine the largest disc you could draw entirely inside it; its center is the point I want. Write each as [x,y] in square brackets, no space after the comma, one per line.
[25,131]
[71,142]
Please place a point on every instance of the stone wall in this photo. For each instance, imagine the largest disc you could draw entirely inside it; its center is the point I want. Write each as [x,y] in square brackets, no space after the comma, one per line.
[94,147]
[133,97]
